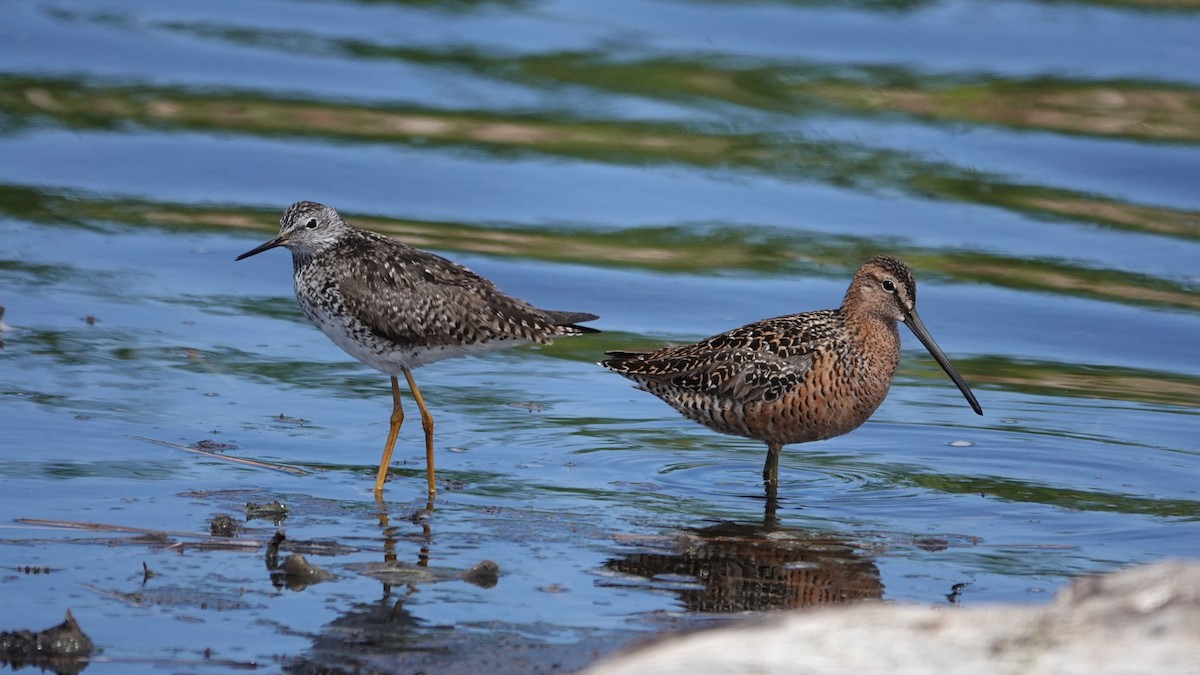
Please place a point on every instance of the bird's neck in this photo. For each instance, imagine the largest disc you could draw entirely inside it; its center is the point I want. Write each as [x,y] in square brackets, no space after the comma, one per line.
[875,334]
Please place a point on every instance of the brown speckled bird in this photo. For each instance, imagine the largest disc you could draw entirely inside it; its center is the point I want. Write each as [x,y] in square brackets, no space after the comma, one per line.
[795,378]
[395,307]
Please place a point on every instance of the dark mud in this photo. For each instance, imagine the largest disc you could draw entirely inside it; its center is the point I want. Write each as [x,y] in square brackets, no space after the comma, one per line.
[717,572]
[62,649]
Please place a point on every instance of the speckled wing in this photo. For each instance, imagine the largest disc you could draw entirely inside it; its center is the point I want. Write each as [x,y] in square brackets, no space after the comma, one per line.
[416,298]
[737,375]
[758,362]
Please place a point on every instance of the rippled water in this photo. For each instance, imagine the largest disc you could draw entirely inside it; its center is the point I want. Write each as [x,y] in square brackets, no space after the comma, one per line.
[679,168]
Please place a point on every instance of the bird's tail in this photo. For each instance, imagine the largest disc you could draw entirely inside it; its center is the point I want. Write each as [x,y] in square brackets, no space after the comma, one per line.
[618,359]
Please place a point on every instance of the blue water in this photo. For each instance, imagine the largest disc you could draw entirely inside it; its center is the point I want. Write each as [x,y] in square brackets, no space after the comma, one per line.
[679,168]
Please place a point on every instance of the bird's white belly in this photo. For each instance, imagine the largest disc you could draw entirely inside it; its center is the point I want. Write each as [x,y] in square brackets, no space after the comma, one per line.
[383,355]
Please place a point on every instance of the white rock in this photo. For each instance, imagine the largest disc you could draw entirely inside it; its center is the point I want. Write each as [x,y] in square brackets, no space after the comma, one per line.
[1141,620]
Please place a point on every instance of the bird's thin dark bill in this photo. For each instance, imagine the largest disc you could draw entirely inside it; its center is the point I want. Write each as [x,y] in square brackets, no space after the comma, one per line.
[914,322]
[277,241]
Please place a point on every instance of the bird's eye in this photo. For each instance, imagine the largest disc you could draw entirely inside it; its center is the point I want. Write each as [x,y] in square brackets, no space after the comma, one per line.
[889,286]
[312,224]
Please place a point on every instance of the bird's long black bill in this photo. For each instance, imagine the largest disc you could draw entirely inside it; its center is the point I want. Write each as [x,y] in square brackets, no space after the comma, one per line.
[914,323]
[265,246]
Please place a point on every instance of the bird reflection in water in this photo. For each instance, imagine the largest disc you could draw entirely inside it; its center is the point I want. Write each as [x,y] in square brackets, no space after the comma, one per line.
[734,567]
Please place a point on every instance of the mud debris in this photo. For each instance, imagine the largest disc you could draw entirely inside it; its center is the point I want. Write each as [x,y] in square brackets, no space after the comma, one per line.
[209,445]
[147,539]
[275,511]
[485,574]
[222,525]
[303,546]
[297,574]
[63,649]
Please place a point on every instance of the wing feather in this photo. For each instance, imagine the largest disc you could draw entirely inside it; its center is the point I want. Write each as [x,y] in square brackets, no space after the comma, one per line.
[414,297]
[757,362]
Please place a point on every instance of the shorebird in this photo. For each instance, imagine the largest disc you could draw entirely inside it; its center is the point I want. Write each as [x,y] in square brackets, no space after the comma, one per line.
[395,307]
[795,378]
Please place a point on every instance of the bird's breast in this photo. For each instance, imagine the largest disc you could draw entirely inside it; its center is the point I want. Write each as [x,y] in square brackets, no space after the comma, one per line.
[842,389]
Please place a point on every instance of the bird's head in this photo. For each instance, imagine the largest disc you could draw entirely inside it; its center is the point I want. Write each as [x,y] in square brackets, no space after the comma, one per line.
[307,229]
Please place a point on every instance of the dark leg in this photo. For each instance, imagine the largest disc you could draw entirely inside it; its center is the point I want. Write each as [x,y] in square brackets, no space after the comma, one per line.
[771,468]
[427,425]
[771,506]
[396,420]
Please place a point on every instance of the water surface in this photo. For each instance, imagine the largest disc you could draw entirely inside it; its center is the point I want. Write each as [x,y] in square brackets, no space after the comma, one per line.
[679,168]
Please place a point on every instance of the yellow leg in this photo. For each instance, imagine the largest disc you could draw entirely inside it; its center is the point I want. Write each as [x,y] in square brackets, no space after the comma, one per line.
[396,421]
[427,425]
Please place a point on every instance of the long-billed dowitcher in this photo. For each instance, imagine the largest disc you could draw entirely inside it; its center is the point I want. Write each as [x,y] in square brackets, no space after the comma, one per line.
[795,378]
[395,307]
